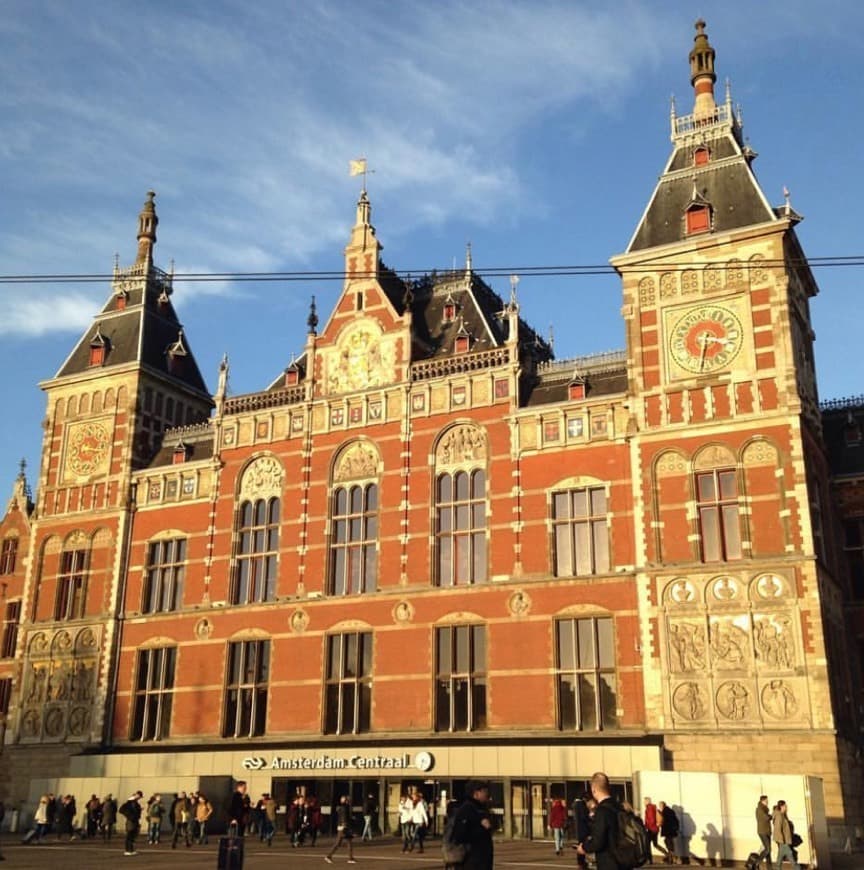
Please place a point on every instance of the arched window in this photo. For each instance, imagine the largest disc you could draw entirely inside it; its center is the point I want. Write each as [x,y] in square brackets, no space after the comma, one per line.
[460,527]
[165,573]
[354,539]
[257,550]
[580,526]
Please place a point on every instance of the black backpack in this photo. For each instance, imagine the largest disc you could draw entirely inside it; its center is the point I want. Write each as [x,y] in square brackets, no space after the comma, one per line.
[453,852]
[632,846]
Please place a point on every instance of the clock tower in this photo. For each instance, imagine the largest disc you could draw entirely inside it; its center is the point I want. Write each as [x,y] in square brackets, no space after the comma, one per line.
[130,376]
[727,454]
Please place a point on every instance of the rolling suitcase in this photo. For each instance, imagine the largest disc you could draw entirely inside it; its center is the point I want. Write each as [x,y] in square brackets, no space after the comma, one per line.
[753,861]
[230,851]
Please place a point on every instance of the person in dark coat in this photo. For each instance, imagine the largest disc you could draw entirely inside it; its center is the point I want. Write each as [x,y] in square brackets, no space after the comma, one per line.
[237,810]
[582,824]
[669,829]
[604,829]
[473,826]
[131,811]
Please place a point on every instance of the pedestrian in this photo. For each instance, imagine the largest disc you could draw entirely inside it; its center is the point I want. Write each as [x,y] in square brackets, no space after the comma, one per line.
[344,834]
[52,811]
[237,809]
[669,828]
[420,821]
[155,812]
[93,811]
[370,810]
[268,818]
[558,822]
[182,818]
[652,825]
[41,818]
[66,813]
[583,808]
[406,811]
[763,828]
[203,811]
[472,825]
[109,817]
[783,836]
[312,823]
[604,828]
[131,811]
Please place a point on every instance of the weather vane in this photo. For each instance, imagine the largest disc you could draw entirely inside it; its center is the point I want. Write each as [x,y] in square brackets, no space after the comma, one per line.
[358,167]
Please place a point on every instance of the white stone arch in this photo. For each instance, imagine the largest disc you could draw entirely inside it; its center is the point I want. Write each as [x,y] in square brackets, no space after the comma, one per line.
[263,476]
[357,460]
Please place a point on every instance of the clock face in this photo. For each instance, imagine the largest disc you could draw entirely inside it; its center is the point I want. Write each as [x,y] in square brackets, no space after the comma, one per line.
[88,448]
[706,339]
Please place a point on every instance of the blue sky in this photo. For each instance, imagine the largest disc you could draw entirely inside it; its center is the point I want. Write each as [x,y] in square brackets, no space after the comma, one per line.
[534,129]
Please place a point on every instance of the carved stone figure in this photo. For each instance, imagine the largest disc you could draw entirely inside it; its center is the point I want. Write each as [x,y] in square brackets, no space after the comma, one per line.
[519,603]
[299,621]
[774,645]
[729,644]
[688,646]
[79,721]
[462,444]
[403,612]
[689,702]
[358,461]
[779,700]
[733,700]
[262,478]
[683,592]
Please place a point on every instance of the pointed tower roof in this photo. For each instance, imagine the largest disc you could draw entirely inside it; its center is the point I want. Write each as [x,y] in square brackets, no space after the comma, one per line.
[22,497]
[710,163]
[138,325]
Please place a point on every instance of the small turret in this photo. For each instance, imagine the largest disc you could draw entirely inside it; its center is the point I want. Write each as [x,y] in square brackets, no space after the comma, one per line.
[147,223]
[702,75]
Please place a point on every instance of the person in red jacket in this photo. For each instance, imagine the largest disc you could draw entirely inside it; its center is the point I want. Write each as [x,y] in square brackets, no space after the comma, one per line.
[558,823]
[652,825]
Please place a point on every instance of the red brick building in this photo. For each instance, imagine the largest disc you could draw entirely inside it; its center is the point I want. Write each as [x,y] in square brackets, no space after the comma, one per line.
[428,550]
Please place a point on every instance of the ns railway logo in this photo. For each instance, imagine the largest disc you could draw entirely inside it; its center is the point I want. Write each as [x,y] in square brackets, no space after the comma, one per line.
[422,761]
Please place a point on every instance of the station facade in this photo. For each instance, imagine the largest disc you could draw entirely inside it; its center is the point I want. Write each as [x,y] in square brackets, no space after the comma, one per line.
[429,551]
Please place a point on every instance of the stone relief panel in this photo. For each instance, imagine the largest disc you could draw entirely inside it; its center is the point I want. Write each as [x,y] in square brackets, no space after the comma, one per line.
[690,701]
[357,461]
[731,651]
[686,646]
[363,358]
[775,644]
[729,641]
[263,478]
[461,445]
[60,685]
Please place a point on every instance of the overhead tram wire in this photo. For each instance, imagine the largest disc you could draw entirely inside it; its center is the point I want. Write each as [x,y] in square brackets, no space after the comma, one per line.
[417,274]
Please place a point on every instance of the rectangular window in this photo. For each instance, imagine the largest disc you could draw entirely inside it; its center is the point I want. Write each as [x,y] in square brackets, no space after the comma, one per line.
[460,678]
[257,552]
[585,671]
[854,548]
[581,532]
[5,695]
[460,528]
[10,629]
[154,693]
[717,511]
[348,688]
[71,585]
[353,542]
[165,573]
[8,555]
[698,219]
[246,688]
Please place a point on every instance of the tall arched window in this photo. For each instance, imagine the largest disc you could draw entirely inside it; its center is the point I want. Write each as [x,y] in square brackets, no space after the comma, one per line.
[353,567]
[257,550]
[460,507]
[354,562]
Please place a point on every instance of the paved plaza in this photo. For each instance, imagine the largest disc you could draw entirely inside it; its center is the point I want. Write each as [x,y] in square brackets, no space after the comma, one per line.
[383,854]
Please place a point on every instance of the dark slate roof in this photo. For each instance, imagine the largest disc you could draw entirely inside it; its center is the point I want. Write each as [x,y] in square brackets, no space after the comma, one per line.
[726,182]
[605,374]
[198,438]
[141,332]
[479,312]
[843,431]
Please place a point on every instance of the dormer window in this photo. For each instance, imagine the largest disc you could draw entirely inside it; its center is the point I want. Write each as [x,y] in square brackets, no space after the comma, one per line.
[177,354]
[98,349]
[122,299]
[292,376]
[698,219]
[852,432]
[181,454]
[701,156]
[449,314]
[577,388]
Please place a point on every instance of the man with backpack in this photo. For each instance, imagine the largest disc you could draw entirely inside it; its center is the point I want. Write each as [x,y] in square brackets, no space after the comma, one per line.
[618,839]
